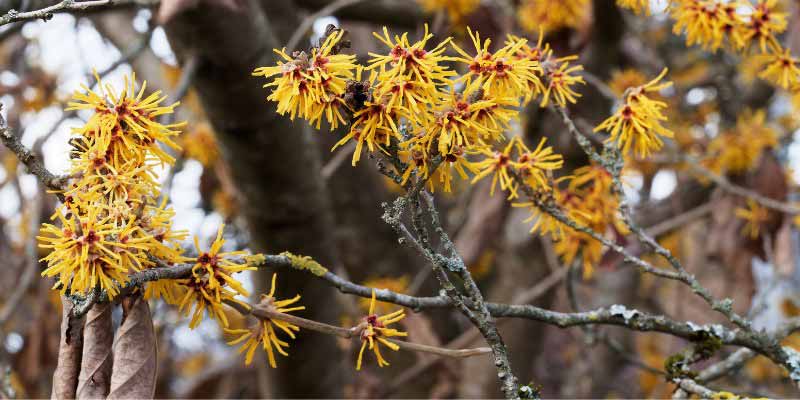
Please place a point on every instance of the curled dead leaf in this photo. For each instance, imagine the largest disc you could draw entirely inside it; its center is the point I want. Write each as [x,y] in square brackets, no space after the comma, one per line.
[134,374]
[65,377]
[98,336]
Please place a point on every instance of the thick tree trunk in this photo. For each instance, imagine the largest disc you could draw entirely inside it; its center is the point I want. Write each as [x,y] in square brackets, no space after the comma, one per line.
[272,159]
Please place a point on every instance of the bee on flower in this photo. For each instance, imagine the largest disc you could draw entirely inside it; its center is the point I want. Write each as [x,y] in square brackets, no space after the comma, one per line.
[637,123]
[374,331]
[264,333]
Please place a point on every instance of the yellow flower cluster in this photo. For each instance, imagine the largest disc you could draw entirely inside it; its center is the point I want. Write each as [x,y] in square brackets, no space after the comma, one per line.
[738,150]
[112,222]
[638,121]
[589,201]
[411,99]
[530,166]
[739,26]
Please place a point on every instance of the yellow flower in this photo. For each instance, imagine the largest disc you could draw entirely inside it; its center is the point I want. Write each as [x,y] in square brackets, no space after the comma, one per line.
[212,284]
[218,268]
[264,332]
[705,22]
[755,216]
[412,61]
[624,79]
[552,15]
[532,165]
[196,291]
[781,69]
[637,6]
[456,9]
[559,81]
[201,144]
[638,121]
[466,119]
[127,121]
[374,125]
[374,332]
[764,24]
[498,164]
[738,150]
[500,73]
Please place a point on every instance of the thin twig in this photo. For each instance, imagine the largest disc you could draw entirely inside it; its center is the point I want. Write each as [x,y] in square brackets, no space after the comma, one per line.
[337,160]
[63,6]
[354,332]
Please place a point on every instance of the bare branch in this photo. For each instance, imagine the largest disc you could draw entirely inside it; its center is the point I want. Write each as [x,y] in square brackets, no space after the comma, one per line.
[64,6]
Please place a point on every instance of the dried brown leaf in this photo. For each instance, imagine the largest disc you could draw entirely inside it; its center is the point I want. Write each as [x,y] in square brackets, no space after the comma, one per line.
[98,336]
[65,377]
[134,375]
